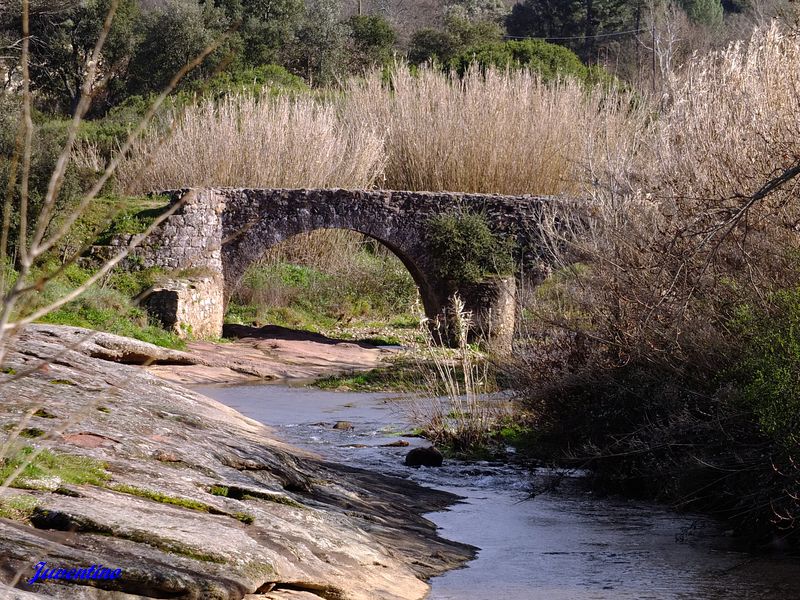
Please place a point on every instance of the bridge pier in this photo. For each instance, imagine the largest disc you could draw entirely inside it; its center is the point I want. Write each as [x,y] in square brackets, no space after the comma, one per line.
[493,306]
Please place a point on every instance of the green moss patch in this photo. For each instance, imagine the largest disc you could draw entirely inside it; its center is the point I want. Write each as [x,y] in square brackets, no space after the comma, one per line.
[43,413]
[65,467]
[238,493]
[165,498]
[31,432]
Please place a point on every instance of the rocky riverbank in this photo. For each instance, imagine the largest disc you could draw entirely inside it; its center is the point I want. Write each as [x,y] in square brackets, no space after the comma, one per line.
[270,352]
[187,497]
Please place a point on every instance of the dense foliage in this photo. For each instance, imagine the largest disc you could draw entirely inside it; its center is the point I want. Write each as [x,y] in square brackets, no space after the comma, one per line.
[466,249]
[320,41]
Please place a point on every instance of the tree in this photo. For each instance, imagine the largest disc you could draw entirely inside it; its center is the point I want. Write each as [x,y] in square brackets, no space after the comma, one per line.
[432,44]
[470,31]
[481,10]
[460,33]
[372,39]
[576,22]
[63,35]
[265,26]
[704,12]
[318,52]
[170,36]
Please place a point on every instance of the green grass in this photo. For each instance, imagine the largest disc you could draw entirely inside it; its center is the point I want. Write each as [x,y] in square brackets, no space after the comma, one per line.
[402,375]
[131,215]
[66,467]
[522,438]
[17,508]
[110,311]
[164,498]
[245,518]
[103,308]
[219,490]
[373,289]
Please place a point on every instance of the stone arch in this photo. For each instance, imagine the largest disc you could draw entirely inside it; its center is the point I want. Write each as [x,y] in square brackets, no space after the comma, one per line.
[235,262]
[253,226]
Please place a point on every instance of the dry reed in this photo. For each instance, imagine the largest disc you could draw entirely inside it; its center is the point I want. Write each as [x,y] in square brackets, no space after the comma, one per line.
[492,131]
[455,410]
[258,142]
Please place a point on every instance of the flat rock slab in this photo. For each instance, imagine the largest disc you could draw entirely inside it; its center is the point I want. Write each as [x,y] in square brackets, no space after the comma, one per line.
[271,352]
[200,502]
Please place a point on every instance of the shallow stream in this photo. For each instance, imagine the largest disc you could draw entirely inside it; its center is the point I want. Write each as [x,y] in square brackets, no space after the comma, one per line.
[558,545]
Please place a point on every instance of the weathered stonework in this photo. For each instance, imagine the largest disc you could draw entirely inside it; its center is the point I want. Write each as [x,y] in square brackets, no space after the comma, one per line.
[191,307]
[222,231]
[494,310]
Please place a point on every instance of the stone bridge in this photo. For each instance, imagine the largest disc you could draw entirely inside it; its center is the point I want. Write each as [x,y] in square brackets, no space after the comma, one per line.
[215,234]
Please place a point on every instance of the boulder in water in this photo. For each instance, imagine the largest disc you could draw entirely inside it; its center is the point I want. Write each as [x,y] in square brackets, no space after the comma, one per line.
[424,457]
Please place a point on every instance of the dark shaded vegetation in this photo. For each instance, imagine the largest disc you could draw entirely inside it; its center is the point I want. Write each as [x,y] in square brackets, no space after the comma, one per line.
[466,249]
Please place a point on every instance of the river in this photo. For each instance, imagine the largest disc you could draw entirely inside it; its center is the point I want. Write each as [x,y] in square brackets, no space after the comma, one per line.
[564,544]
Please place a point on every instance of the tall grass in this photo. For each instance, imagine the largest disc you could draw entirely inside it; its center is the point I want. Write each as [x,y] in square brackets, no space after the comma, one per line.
[702,214]
[456,410]
[490,131]
[244,141]
[732,120]
[493,131]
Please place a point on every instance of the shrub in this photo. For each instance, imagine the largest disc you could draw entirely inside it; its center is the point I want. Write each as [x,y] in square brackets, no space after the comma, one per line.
[465,248]
[549,61]
[679,377]
[255,81]
[769,368]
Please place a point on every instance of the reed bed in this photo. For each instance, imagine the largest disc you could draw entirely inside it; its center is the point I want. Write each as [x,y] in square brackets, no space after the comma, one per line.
[244,141]
[493,131]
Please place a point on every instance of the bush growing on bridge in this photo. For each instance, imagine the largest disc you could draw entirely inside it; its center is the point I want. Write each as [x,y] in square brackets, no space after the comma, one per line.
[466,249]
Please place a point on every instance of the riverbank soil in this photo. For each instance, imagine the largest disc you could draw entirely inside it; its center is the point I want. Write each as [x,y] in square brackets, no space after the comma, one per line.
[189,498]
